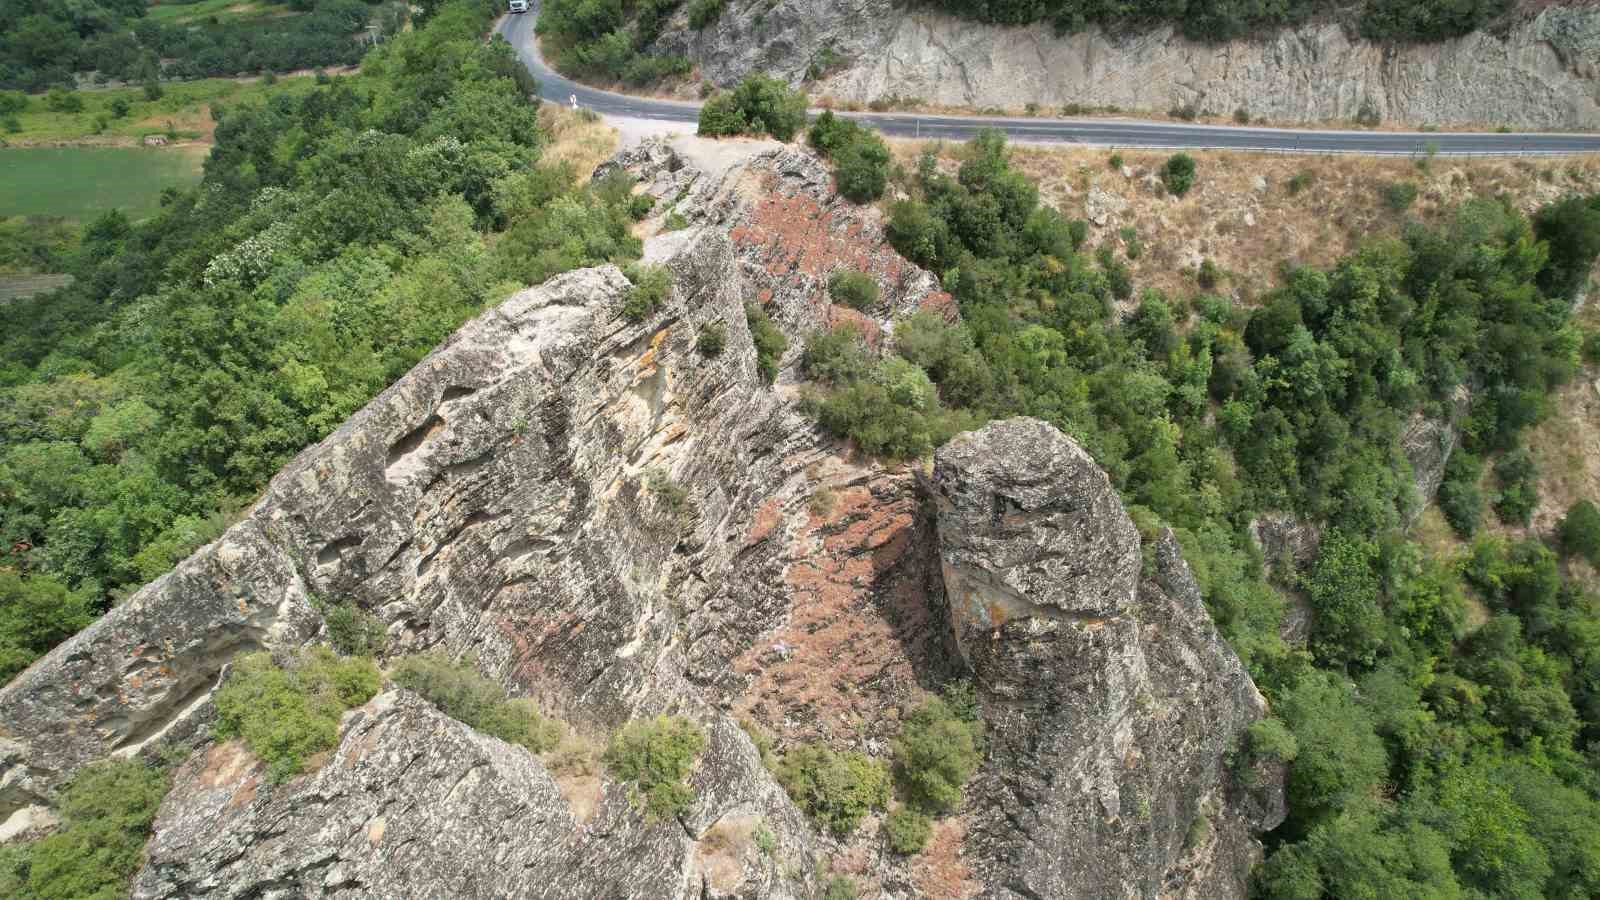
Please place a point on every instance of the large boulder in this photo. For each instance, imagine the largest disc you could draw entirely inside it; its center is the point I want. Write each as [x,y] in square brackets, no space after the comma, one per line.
[1112,702]
[415,804]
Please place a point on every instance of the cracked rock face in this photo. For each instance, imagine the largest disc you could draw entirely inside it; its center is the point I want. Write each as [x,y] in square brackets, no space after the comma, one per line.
[415,804]
[616,525]
[1540,73]
[1110,697]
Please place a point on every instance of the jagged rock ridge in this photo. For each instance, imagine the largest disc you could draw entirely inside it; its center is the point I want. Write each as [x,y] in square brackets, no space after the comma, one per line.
[505,499]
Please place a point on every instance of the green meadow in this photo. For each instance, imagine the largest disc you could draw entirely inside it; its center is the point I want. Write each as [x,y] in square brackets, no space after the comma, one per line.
[83,182]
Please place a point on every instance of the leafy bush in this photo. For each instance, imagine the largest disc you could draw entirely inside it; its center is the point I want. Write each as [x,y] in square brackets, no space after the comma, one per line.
[908,830]
[1399,195]
[721,115]
[861,167]
[1207,276]
[672,496]
[640,206]
[462,694]
[769,340]
[287,715]
[1115,161]
[352,630]
[1343,590]
[596,40]
[657,755]
[1571,229]
[711,340]
[1300,181]
[649,291]
[839,887]
[1178,173]
[836,789]
[1078,231]
[705,12]
[1460,499]
[1518,478]
[58,100]
[889,407]
[757,105]
[838,355]
[1270,739]
[120,107]
[106,812]
[857,290]
[938,748]
[1580,531]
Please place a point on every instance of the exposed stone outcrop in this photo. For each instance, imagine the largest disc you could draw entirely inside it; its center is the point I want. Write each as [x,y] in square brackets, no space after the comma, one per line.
[617,525]
[1112,701]
[1539,72]
[415,804]
[143,672]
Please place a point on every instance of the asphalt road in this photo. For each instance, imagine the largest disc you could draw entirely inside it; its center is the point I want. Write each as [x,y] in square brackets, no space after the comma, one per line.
[1102,132]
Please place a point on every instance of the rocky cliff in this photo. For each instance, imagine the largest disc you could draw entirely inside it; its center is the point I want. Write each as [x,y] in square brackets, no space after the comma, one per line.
[1541,72]
[615,524]
[1112,699]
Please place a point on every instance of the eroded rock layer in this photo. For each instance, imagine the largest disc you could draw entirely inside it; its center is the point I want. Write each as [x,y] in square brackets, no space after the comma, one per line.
[1110,697]
[1539,72]
[616,524]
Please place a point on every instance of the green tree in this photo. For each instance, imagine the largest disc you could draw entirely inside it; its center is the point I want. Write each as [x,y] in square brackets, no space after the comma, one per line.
[939,747]
[1343,589]
[836,789]
[1178,173]
[657,755]
[106,812]
[36,613]
[1580,531]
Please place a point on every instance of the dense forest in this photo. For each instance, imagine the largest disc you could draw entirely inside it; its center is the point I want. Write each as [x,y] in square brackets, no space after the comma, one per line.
[336,238]
[1221,20]
[1428,755]
[43,43]
[595,40]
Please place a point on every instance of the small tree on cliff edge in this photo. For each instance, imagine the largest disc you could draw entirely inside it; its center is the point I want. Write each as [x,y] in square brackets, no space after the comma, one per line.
[758,105]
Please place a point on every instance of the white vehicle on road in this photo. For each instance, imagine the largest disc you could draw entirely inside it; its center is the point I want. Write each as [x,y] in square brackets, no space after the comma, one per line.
[518,6]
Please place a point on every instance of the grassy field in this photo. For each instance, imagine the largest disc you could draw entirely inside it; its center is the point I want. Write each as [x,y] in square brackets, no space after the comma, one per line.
[185,106]
[15,286]
[171,13]
[82,182]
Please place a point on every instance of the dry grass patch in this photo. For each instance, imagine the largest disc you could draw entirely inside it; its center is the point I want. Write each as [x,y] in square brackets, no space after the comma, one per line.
[575,765]
[584,141]
[1309,210]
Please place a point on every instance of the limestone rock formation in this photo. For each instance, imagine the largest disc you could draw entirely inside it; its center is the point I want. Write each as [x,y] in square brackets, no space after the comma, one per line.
[615,524]
[1540,72]
[415,804]
[1111,700]
[142,673]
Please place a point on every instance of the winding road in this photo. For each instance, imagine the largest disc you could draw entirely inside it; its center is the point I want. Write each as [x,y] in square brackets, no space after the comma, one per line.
[1100,132]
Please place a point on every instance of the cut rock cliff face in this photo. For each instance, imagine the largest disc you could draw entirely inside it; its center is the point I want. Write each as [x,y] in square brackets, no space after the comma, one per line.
[1540,73]
[504,499]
